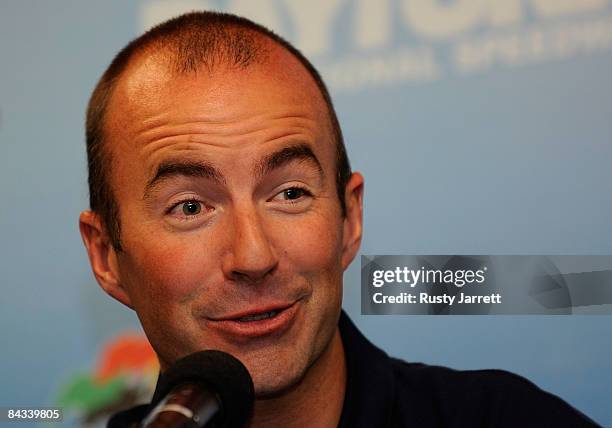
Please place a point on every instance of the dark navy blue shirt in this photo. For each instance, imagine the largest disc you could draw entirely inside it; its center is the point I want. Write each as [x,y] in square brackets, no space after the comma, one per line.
[386,392]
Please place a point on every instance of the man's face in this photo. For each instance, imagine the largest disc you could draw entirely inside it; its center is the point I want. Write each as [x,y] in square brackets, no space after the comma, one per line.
[231,227]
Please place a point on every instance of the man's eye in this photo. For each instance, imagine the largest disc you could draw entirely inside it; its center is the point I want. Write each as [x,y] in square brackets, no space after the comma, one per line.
[191,208]
[293,193]
[187,208]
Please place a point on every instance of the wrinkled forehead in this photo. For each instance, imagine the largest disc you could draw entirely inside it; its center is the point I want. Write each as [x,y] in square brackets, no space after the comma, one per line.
[151,86]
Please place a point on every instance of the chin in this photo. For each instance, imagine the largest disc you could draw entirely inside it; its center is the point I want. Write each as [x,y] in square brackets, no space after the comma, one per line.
[274,387]
[271,381]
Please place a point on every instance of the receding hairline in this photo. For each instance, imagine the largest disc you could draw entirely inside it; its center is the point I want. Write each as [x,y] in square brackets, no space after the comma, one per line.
[196,42]
[241,48]
[271,54]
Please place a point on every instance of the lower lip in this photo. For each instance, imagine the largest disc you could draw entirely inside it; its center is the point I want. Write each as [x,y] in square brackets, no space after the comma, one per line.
[268,326]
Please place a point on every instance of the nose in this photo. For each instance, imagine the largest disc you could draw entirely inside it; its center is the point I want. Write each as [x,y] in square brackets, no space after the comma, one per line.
[250,256]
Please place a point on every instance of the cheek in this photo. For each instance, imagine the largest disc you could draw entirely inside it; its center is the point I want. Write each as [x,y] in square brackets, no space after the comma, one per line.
[163,271]
[312,247]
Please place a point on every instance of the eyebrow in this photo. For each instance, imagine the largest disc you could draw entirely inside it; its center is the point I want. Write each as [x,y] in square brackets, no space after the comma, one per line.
[203,169]
[175,168]
[298,152]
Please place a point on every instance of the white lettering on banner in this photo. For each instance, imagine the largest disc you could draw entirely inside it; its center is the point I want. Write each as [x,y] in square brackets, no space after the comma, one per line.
[552,8]
[405,65]
[502,13]
[532,46]
[313,22]
[447,37]
[443,19]
[264,12]
[154,12]
[437,19]
[372,27]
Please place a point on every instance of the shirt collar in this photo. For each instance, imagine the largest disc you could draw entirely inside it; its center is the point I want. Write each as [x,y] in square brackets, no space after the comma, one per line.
[370,383]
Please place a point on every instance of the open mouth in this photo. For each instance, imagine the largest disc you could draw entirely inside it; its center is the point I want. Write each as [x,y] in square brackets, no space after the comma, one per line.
[259,317]
[257,322]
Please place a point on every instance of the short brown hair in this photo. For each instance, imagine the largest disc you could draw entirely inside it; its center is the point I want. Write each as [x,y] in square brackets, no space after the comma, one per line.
[195,39]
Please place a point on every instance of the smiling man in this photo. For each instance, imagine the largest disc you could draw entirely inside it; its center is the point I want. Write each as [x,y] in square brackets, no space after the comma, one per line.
[224,212]
[215,155]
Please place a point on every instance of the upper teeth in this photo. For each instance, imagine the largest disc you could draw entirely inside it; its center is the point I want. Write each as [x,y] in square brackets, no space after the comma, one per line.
[258,317]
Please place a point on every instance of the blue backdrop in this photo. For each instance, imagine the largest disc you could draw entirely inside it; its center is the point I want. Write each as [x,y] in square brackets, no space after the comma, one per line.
[481,126]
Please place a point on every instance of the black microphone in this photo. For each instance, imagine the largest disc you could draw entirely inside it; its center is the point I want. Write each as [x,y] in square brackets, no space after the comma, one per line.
[204,389]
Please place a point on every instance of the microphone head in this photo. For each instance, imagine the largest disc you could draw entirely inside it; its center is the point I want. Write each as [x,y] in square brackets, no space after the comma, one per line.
[223,374]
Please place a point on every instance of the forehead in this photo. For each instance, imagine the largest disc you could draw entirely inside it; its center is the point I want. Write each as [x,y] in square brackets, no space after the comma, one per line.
[150,91]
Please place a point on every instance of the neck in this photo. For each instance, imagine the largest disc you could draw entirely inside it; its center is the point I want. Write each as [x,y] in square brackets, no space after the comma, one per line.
[316,401]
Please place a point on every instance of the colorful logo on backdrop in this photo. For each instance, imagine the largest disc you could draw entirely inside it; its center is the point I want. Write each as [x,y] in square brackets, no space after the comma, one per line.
[124,375]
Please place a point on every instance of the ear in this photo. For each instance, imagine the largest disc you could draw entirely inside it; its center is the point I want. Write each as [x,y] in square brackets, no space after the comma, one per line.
[353,222]
[102,256]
